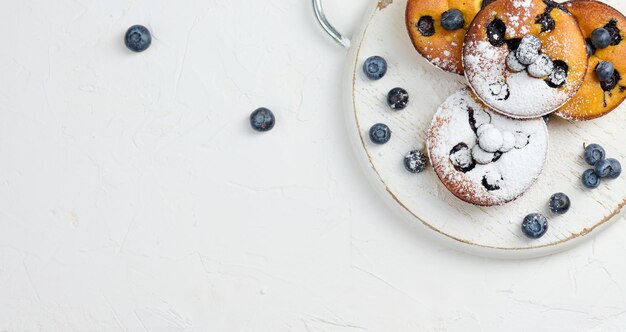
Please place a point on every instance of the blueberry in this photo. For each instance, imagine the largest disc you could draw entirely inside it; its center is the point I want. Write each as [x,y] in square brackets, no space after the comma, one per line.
[461,158]
[375,67]
[380,133]
[513,64]
[594,153]
[138,38]
[559,75]
[415,161]
[603,168]
[496,31]
[452,19]
[542,67]
[604,71]
[398,98]
[600,38]
[590,49]
[611,83]
[535,225]
[486,3]
[426,26]
[546,21]
[614,31]
[591,179]
[559,203]
[262,119]
[616,169]
[528,49]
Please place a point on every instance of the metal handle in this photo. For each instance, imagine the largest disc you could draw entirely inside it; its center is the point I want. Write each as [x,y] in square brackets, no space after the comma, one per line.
[330,30]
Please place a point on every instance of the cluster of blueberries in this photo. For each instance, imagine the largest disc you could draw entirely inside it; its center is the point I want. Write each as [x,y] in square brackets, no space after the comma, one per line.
[528,56]
[535,225]
[375,68]
[603,168]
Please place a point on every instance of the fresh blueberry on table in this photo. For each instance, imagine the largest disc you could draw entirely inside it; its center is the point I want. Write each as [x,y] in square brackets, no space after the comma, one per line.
[452,19]
[559,203]
[398,99]
[375,67]
[604,71]
[603,168]
[600,38]
[535,225]
[380,133]
[138,38]
[262,119]
[415,161]
[590,179]
[594,153]
[616,168]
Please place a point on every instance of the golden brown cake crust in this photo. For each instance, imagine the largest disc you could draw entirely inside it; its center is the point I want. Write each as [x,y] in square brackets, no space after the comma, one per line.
[592,101]
[444,48]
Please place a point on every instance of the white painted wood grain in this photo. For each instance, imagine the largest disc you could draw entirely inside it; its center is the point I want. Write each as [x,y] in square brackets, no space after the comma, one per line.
[493,231]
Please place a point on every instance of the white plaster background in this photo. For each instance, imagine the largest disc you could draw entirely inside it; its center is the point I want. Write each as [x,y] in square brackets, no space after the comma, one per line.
[135,197]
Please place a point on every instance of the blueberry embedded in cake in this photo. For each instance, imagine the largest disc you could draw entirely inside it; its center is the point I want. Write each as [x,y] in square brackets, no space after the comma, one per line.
[138,38]
[262,119]
[559,203]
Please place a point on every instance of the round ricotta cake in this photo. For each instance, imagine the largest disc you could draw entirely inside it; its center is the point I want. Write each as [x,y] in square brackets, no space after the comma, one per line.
[482,157]
[524,58]
[596,98]
[442,47]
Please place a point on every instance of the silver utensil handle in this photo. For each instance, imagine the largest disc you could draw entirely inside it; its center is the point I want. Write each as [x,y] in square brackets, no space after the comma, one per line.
[330,30]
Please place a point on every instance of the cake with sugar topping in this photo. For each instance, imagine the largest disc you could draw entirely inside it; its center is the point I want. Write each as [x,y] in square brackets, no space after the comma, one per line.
[524,58]
[482,157]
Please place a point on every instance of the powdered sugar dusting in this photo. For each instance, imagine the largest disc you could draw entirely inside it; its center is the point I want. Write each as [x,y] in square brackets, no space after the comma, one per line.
[528,97]
[513,173]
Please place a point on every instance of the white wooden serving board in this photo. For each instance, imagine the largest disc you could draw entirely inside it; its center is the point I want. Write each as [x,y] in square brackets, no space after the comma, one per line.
[421,198]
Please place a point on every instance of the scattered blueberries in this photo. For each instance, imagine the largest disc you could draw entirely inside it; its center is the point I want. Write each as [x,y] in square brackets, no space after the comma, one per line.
[452,19]
[138,38]
[415,161]
[604,71]
[603,168]
[375,67]
[398,99]
[616,168]
[262,119]
[590,179]
[535,225]
[380,133]
[426,26]
[600,38]
[594,153]
[559,203]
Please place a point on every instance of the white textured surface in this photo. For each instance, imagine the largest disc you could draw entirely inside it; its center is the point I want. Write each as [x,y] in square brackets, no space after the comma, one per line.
[133,196]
